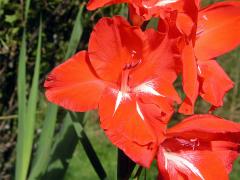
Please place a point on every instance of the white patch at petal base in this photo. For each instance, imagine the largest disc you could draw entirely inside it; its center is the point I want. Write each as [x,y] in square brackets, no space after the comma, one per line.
[139,111]
[182,163]
[120,97]
[148,88]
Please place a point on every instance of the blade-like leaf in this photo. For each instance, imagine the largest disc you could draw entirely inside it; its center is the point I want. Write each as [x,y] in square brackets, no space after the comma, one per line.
[41,165]
[76,34]
[21,164]
[32,102]
[62,151]
[92,156]
[45,142]
[27,5]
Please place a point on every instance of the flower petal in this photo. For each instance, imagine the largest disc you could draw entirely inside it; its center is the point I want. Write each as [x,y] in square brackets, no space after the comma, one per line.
[159,59]
[226,151]
[214,82]
[94,4]
[190,165]
[126,126]
[160,93]
[206,127]
[190,79]
[113,45]
[218,30]
[73,84]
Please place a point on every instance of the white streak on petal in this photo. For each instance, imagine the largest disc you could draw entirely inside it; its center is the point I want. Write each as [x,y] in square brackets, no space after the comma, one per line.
[139,111]
[148,88]
[199,69]
[165,2]
[118,101]
[120,97]
[183,163]
[160,3]
[205,17]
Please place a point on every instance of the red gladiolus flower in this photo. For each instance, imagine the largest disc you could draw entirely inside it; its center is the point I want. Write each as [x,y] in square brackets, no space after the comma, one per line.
[218,32]
[199,147]
[128,75]
[143,10]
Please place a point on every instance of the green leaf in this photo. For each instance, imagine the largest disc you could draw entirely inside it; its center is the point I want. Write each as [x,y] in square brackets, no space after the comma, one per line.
[46,165]
[26,10]
[21,163]
[27,114]
[92,155]
[62,151]
[33,97]
[76,34]
[45,142]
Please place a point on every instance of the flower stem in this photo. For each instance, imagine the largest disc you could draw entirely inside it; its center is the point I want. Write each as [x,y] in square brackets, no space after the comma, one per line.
[125,166]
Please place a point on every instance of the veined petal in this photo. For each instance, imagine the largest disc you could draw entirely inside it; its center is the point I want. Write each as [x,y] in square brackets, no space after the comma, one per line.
[113,45]
[214,82]
[74,85]
[218,30]
[206,127]
[127,127]
[201,165]
[162,94]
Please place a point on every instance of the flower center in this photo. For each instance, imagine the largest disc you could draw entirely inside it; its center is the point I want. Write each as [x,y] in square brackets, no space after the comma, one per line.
[126,71]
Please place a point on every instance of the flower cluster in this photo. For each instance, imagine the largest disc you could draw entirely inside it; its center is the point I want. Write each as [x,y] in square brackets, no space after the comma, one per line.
[128,72]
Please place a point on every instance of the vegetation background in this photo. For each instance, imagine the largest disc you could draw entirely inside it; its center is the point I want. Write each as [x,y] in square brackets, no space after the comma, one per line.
[60,142]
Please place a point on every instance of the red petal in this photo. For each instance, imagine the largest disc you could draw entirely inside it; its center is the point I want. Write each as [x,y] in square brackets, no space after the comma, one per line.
[218,30]
[127,127]
[136,19]
[190,165]
[114,44]
[190,81]
[227,152]
[161,93]
[206,127]
[94,4]
[215,82]
[184,23]
[159,59]
[74,85]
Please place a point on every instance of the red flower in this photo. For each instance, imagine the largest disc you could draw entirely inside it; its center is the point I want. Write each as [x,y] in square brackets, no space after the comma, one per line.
[199,147]
[143,10]
[128,75]
[218,32]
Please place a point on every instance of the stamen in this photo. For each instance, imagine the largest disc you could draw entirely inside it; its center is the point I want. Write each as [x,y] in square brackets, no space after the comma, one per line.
[124,81]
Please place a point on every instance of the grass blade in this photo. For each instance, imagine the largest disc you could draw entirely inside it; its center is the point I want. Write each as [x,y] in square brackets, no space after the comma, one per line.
[21,165]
